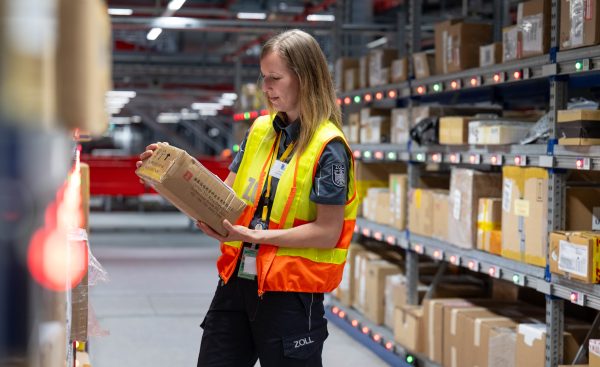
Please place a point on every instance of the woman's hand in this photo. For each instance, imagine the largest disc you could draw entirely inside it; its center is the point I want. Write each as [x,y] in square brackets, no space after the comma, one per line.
[234,232]
[147,154]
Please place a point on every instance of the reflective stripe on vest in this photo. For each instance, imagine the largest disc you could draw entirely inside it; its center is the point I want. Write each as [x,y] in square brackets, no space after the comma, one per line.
[280,268]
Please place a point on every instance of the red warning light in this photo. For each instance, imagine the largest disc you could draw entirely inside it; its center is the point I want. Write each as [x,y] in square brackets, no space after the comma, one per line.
[497,78]
[335,310]
[492,271]
[421,89]
[389,345]
[355,323]
[342,314]
[368,97]
[378,96]
[365,330]
[474,82]
[517,160]
[347,100]
[517,75]
[454,84]
[392,94]
[377,337]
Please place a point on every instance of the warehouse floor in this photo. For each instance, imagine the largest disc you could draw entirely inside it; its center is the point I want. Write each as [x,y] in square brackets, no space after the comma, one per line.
[162,277]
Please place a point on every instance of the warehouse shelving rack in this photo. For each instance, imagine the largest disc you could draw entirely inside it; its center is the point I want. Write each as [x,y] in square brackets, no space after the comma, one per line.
[554,75]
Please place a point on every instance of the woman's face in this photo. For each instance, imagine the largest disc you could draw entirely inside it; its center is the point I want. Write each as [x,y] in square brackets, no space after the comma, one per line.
[280,85]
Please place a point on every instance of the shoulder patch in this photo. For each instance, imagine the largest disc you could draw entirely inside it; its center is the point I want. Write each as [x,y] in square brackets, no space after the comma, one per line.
[338,174]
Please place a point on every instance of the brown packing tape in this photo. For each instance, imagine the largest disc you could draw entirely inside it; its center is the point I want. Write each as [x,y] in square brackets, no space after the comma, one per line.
[516,175]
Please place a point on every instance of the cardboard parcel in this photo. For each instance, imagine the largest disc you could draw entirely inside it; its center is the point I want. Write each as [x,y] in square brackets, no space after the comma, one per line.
[192,188]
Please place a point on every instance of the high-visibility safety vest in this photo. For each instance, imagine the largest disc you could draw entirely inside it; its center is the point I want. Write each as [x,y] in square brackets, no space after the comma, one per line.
[280,268]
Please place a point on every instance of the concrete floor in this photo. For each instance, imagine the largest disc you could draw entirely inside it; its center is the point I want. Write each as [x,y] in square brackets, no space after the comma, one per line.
[162,278]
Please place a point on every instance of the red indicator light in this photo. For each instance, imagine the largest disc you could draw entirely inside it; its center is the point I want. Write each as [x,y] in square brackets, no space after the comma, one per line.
[377,337]
[357,154]
[347,100]
[355,323]
[494,159]
[342,314]
[365,330]
[392,94]
[421,89]
[335,310]
[378,155]
[474,82]
[454,84]
[517,75]
[378,96]
[492,271]
[339,101]
[517,160]
[579,163]
[453,259]
[389,345]
[368,97]
[497,78]
[266,112]
[471,265]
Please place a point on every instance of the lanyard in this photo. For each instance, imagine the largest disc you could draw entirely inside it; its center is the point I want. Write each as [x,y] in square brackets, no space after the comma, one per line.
[283,158]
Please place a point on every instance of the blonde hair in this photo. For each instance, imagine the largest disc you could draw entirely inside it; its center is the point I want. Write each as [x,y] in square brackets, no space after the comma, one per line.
[317,99]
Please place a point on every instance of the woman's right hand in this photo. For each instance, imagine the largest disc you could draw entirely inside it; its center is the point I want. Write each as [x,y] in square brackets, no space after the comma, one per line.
[147,154]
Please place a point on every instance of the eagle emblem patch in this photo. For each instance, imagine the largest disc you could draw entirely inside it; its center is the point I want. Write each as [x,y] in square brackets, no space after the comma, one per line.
[338,174]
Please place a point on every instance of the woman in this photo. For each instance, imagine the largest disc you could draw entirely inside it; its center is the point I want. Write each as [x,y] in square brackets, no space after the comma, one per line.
[295,172]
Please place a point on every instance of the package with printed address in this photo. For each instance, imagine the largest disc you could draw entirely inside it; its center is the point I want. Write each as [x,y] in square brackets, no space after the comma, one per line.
[192,188]
[533,19]
[576,255]
[579,23]
[594,352]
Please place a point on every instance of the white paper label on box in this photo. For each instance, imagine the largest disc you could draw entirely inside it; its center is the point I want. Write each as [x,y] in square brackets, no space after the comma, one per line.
[594,346]
[596,218]
[577,12]
[532,28]
[456,201]
[507,195]
[573,258]
[531,332]
[522,208]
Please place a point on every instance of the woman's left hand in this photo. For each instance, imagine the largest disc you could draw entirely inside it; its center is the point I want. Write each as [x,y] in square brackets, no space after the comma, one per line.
[234,232]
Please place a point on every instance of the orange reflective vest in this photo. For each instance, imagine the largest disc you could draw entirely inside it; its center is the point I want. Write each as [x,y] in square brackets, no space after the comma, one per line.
[281,268]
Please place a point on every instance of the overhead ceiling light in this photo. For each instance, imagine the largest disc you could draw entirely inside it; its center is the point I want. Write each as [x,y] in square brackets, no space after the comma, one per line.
[168,118]
[120,120]
[175,4]
[320,17]
[253,16]
[207,106]
[208,112]
[117,11]
[121,93]
[226,102]
[154,33]
[231,96]
[378,42]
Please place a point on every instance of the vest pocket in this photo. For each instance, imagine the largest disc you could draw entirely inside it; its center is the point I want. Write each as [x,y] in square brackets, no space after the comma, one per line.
[303,346]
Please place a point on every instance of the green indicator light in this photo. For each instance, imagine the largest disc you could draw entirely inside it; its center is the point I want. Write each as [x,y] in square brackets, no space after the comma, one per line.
[578,65]
[367,154]
[356,99]
[236,148]
[247,115]
[437,87]
[420,157]
[410,359]
[515,278]
[392,156]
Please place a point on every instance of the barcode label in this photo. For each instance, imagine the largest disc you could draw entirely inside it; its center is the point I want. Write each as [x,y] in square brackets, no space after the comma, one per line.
[456,198]
[573,258]
[507,195]
[576,9]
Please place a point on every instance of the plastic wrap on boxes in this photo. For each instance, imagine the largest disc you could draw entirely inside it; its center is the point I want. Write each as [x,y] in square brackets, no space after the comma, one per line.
[576,11]
[502,348]
[489,130]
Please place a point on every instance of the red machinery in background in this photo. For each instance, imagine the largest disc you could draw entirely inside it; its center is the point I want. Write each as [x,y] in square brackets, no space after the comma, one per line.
[115,175]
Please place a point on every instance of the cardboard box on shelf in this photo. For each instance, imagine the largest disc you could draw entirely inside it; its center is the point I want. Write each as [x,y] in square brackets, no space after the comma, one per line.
[434,324]
[525,206]
[511,43]
[192,188]
[376,130]
[360,278]
[531,343]
[399,70]
[503,134]
[374,175]
[454,130]
[341,65]
[400,127]
[441,207]
[363,72]
[366,113]
[379,206]
[345,291]
[455,333]
[460,45]
[398,185]
[583,209]
[493,339]
[490,54]
[420,211]
[466,188]
[424,63]
[353,128]
[489,225]
[576,255]
[378,60]
[533,18]
[84,64]
[594,352]
[578,127]
[579,25]
[439,36]
[350,79]
[376,272]
[408,328]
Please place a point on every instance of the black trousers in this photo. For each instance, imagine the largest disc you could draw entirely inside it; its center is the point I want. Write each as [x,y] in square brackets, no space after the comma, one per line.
[280,328]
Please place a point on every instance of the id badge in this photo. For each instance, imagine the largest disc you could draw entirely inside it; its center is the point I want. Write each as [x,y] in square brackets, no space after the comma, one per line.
[248,264]
[277,169]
